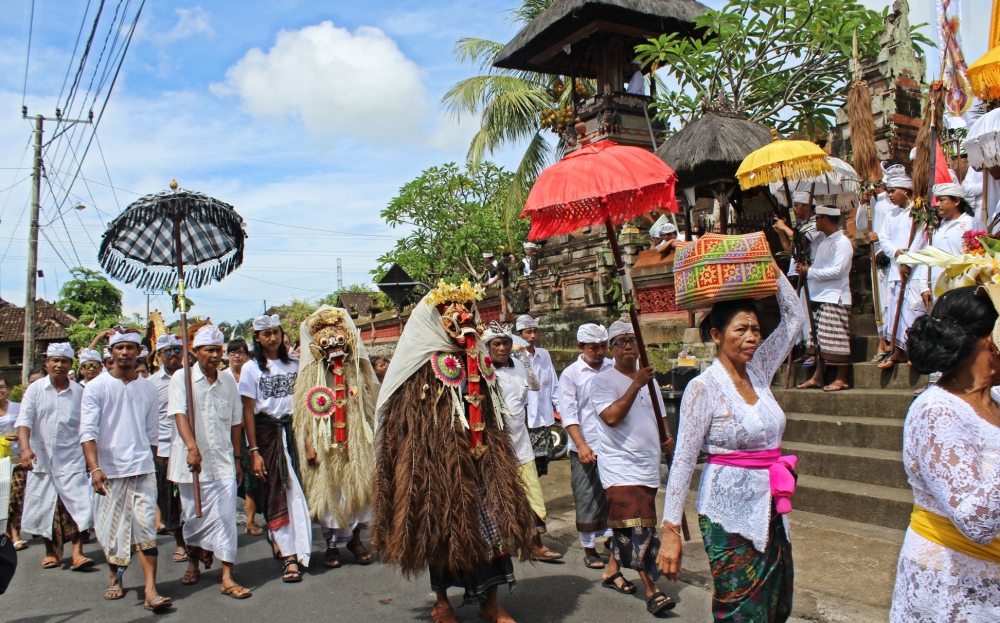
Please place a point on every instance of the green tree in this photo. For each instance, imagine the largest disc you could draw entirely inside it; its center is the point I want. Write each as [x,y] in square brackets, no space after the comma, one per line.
[783,62]
[93,300]
[292,314]
[514,108]
[456,216]
[379,299]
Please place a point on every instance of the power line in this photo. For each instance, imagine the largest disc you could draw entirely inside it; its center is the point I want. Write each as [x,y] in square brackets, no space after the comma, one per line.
[27,56]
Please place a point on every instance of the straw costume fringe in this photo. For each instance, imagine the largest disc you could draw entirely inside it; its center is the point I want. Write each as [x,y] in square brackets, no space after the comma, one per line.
[922,163]
[862,123]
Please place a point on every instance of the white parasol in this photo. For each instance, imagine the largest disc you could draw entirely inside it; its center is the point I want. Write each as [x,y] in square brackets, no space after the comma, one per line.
[982,143]
[839,187]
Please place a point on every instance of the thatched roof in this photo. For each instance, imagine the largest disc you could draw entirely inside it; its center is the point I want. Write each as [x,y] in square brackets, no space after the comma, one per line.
[712,147]
[539,45]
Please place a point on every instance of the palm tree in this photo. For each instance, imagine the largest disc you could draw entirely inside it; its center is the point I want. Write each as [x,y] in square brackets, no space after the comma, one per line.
[513,106]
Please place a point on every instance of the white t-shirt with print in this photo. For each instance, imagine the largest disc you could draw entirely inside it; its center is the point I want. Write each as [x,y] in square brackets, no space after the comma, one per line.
[273,391]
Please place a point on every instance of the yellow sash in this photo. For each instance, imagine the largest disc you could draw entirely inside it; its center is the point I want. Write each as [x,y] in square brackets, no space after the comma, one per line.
[940,530]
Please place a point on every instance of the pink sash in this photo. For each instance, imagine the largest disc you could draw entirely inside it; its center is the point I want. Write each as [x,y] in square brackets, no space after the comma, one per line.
[779,470]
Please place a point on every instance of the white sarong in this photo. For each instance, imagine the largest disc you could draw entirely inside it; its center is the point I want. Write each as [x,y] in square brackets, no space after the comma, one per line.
[43,491]
[334,534]
[912,309]
[125,518]
[215,530]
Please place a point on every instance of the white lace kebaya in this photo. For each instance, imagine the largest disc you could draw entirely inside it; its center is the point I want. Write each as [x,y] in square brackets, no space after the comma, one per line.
[952,457]
[716,419]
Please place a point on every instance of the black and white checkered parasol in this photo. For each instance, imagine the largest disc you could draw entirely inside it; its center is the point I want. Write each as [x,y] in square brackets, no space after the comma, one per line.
[140,246]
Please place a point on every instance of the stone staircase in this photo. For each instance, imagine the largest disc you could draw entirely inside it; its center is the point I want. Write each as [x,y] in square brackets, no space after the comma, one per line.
[849,443]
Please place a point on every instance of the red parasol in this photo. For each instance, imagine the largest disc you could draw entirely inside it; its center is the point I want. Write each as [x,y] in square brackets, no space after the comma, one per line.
[597,183]
[603,183]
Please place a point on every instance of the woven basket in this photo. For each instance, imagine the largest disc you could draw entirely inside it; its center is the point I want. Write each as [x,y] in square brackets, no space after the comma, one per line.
[718,268]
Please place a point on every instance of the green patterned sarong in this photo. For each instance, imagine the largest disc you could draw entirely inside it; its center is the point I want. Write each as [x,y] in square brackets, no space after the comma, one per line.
[750,586]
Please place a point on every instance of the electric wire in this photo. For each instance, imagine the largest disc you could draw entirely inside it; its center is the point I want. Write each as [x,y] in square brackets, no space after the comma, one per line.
[27,56]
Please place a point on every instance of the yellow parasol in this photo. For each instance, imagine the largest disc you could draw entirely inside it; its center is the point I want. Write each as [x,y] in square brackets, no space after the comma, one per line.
[984,75]
[781,161]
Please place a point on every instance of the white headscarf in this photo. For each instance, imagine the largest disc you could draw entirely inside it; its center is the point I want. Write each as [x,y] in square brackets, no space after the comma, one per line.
[89,355]
[167,340]
[619,327]
[60,349]
[525,321]
[262,323]
[591,334]
[423,336]
[124,337]
[662,227]
[949,190]
[801,196]
[208,335]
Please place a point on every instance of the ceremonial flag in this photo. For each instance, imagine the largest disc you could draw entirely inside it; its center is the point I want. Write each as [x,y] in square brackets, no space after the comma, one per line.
[958,98]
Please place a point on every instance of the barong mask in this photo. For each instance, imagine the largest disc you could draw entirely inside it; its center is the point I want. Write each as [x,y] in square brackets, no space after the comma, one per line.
[459,322]
[332,340]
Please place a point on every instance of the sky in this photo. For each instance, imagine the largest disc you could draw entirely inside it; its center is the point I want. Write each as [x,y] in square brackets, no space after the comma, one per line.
[307,117]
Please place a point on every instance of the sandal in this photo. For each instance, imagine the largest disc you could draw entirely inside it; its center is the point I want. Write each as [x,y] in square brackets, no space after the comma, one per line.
[626,587]
[83,564]
[809,362]
[20,545]
[49,563]
[332,558]
[236,592]
[180,556]
[834,387]
[114,592]
[290,577]
[593,561]
[658,602]
[159,603]
[361,555]
[888,364]
[499,615]
[880,357]
[546,555]
[253,530]
[443,614]
[190,577]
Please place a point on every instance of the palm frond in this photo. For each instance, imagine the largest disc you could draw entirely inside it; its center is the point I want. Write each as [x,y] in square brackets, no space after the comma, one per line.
[528,10]
[476,94]
[481,52]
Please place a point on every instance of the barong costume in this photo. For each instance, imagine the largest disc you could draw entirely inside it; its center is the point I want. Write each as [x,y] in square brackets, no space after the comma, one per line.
[217,410]
[574,400]
[123,419]
[830,291]
[335,396]
[630,467]
[448,494]
[57,504]
[279,497]
[741,502]
[167,494]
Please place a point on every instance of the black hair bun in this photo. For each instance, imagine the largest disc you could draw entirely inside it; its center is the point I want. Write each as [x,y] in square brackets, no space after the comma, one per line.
[935,345]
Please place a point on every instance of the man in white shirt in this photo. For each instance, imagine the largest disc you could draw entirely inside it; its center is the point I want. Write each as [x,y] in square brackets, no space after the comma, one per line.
[830,292]
[57,500]
[630,460]
[880,206]
[580,422]
[530,262]
[543,403]
[90,365]
[517,380]
[637,83]
[119,427]
[492,270]
[802,243]
[894,240]
[168,501]
[208,450]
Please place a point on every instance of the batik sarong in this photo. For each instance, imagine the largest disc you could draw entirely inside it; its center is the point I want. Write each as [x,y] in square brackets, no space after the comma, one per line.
[632,517]
[541,443]
[271,499]
[588,495]
[18,476]
[168,500]
[833,328]
[125,518]
[536,499]
[215,530]
[749,585]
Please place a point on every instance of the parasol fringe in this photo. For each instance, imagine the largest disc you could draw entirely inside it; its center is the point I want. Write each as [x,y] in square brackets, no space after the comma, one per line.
[922,163]
[566,218]
[984,75]
[795,169]
[862,124]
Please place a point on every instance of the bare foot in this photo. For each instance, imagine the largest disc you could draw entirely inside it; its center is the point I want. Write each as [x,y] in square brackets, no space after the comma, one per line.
[811,383]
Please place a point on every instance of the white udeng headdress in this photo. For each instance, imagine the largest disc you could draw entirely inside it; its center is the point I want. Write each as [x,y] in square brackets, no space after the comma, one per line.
[60,349]
[263,323]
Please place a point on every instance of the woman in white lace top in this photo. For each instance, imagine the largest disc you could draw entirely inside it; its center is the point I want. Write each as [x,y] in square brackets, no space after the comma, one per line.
[729,411]
[949,567]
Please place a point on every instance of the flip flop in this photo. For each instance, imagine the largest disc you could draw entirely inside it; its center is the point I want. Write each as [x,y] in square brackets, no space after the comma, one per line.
[190,577]
[879,357]
[83,564]
[253,530]
[546,555]
[809,362]
[159,603]
[49,563]
[499,615]
[888,364]
[236,592]
[180,556]
[655,605]
[835,388]
[443,614]
[20,545]
[114,592]
[626,588]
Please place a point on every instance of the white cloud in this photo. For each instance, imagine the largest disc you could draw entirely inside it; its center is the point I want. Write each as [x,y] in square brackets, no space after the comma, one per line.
[190,22]
[334,81]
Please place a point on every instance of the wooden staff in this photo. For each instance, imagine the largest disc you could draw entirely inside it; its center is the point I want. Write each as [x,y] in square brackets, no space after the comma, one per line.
[872,251]
[188,387]
[902,287]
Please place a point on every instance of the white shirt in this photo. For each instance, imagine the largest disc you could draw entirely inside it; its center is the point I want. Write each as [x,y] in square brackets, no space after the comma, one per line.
[272,392]
[8,423]
[218,410]
[161,380]
[575,406]
[630,450]
[880,207]
[542,404]
[54,419]
[124,420]
[948,237]
[829,275]
[895,235]
[514,385]
[973,187]
[815,237]
[637,84]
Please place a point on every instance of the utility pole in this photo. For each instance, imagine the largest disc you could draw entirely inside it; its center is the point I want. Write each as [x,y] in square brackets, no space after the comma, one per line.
[340,275]
[36,189]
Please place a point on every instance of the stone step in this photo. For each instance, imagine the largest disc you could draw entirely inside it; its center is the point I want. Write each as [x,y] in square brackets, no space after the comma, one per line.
[860,376]
[834,430]
[879,403]
[854,501]
[864,465]
[863,325]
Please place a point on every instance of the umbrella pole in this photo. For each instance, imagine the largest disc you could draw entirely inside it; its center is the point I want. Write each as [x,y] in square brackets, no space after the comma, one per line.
[872,252]
[641,345]
[185,350]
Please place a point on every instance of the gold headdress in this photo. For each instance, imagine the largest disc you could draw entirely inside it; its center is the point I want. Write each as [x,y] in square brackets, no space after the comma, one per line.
[447,293]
